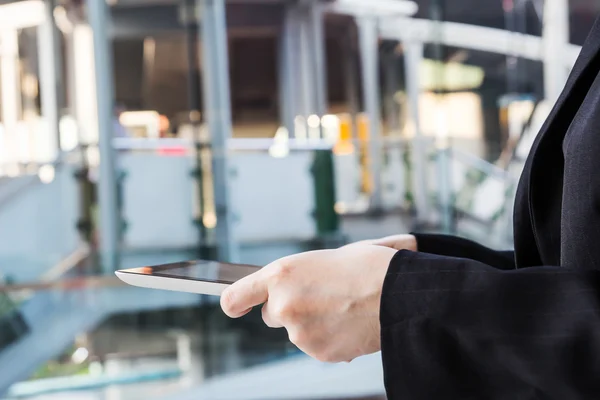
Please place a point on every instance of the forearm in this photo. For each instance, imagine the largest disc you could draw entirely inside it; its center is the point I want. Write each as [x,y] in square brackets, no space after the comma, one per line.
[457,328]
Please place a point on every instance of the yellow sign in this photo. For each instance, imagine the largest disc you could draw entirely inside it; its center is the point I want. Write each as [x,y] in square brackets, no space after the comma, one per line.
[364,135]
[343,145]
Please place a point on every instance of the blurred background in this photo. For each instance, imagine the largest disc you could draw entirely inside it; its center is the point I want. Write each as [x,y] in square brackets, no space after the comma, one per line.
[139,132]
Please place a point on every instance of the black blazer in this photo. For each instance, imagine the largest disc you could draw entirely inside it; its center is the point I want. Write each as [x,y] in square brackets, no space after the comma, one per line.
[460,321]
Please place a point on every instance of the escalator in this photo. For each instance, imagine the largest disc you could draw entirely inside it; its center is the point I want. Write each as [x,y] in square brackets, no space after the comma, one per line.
[46,323]
[40,246]
[35,325]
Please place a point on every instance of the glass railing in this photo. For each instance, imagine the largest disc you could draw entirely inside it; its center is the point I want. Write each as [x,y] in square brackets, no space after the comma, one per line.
[103,338]
[39,218]
[67,329]
[457,191]
[474,197]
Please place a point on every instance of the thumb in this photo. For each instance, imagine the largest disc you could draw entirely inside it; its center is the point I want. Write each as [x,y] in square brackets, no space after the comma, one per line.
[238,299]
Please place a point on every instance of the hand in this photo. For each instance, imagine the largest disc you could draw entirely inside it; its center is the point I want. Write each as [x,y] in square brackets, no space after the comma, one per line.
[397,242]
[327,300]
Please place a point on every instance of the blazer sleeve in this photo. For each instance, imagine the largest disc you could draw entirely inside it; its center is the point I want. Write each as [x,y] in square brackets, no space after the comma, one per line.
[455,328]
[453,246]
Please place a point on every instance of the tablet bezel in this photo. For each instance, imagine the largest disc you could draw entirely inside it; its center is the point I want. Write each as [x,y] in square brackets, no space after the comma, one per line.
[158,279]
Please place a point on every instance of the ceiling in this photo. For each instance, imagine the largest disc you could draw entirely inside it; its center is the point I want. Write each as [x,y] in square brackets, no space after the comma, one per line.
[478,12]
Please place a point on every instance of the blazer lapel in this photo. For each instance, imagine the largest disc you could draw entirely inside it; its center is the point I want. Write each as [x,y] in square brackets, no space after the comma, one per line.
[544,215]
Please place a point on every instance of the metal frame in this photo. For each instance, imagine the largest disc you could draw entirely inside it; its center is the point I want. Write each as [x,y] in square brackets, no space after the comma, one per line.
[473,37]
[369,54]
[217,112]
[98,14]
[50,67]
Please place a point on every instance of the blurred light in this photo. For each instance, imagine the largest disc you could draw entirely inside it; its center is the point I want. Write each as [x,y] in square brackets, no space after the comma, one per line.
[68,133]
[85,84]
[343,148]
[379,8]
[163,123]
[138,117]
[210,220]
[280,147]
[184,352]
[456,115]
[173,151]
[451,76]
[279,151]
[519,112]
[313,121]
[80,355]
[149,120]
[62,20]
[300,131]
[331,127]
[282,134]
[343,143]
[46,174]
[30,86]
[93,156]
[340,207]
[330,121]
[345,127]
[22,14]
[441,127]
[314,127]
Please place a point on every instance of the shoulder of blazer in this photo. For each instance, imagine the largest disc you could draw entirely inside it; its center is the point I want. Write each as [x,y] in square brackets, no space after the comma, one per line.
[584,71]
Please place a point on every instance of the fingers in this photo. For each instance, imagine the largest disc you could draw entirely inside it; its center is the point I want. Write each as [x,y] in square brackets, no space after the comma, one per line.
[238,299]
[269,317]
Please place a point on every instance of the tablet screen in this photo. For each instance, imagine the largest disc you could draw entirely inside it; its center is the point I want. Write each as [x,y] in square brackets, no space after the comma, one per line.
[206,271]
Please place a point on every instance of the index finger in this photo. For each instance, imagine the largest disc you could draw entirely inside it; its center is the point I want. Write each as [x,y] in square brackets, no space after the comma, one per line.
[238,299]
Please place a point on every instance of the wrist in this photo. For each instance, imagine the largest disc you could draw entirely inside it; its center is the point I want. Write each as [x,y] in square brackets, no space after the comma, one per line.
[382,257]
[412,243]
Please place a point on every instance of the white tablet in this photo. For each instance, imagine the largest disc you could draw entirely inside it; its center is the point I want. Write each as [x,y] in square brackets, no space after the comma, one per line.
[202,277]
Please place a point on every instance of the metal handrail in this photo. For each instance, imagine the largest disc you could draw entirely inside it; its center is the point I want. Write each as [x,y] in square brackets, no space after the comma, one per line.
[482,165]
[82,252]
[234,144]
[50,280]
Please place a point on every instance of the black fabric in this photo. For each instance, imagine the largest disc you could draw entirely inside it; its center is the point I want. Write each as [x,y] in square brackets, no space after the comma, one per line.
[453,246]
[459,321]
